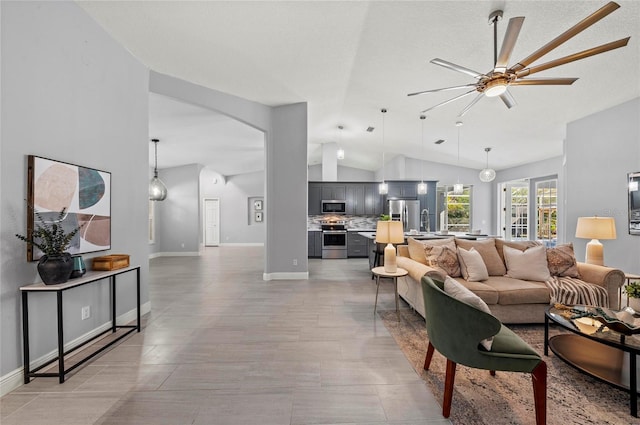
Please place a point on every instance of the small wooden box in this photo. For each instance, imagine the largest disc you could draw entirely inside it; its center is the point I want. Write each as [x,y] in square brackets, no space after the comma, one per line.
[111,262]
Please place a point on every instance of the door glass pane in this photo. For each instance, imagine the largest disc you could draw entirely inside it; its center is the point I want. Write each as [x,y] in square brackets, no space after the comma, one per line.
[547,212]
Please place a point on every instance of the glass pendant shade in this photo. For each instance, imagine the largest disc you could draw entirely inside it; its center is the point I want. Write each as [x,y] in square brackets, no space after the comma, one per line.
[340,153]
[422,188]
[157,189]
[458,188]
[487,174]
[383,188]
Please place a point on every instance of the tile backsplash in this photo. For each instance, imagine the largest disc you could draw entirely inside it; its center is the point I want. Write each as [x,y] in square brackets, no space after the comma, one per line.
[359,222]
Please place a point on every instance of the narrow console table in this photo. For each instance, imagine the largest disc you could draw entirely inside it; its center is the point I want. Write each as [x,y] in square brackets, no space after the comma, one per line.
[59,289]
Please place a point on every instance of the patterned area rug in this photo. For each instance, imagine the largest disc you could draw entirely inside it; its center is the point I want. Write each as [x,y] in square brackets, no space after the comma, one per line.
[507,398]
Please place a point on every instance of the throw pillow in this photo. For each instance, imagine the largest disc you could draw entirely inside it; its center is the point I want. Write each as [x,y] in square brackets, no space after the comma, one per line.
[562,261]
[521,245]
[459,292]
[471,265]
[443,258]
[489,253]
[527,265]
[416,248]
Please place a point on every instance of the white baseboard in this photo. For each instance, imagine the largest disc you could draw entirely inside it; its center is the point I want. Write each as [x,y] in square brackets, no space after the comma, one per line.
[243,244]
[174,254]
[286,276]
[15,379]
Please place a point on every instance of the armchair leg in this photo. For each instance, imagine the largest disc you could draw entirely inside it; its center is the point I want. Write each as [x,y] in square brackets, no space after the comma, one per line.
[427,359]
[492,372]
[539,378]
[448,388]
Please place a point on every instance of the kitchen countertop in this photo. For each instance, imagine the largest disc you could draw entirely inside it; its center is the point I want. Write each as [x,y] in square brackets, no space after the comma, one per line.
[430,235]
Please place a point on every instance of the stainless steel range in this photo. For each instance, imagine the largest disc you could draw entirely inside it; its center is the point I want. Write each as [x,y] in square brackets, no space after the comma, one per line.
[334,238]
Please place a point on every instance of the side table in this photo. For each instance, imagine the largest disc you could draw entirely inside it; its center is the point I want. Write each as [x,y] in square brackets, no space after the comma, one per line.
[379,272]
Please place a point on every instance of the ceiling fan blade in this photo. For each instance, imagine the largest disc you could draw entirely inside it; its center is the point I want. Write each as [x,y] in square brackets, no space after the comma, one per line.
[544,82]
[443,89]
[508,99]
[576,29]
[509,42]
[449,101]
[458,68]
[469,106]
[574,57]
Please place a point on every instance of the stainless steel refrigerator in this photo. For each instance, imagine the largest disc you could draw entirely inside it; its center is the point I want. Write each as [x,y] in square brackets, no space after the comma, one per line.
[407,211]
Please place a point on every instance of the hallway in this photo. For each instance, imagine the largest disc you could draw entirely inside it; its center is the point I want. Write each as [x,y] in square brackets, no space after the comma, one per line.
[222,346]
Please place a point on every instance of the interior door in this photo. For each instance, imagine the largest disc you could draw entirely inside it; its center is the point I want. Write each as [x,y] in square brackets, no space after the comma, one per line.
[211,222]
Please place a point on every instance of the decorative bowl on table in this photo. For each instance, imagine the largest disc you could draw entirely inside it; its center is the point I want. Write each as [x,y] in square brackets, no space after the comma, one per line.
[619,321]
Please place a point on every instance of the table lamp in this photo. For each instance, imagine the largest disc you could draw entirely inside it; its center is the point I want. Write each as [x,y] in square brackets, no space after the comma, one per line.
[390,232]
[595,228]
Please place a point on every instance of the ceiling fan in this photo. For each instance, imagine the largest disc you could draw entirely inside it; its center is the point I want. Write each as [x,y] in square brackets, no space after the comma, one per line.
[497,81]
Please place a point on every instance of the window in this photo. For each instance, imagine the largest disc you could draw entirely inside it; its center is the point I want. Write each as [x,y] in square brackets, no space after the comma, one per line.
[455,210]
[547,211]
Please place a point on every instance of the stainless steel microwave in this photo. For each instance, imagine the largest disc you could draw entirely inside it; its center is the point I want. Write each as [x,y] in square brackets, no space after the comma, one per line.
[334,207]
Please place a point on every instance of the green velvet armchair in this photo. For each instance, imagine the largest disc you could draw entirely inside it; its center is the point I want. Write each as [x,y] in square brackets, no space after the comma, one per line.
[455,329]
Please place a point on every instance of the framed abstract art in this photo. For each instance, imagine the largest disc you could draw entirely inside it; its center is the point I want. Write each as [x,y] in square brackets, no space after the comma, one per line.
[84,194]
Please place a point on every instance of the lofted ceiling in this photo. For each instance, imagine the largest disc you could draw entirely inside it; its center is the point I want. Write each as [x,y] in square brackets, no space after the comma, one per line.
[349,59]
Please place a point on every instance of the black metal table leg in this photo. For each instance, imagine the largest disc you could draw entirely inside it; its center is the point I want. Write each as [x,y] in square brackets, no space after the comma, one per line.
[633,390]
[60,339]
[546,335]
[25,337]
[138,297]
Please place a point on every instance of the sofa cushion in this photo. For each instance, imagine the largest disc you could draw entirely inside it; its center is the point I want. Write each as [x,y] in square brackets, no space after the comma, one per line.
[521,245]
[416,248]
[488,294]
[444,258]
[459,292]
[527,265]
[517,291]
[562,261]
[489,253]
[472,266]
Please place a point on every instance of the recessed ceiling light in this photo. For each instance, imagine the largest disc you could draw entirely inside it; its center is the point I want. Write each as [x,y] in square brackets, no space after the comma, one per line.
[370,129]
[439,142]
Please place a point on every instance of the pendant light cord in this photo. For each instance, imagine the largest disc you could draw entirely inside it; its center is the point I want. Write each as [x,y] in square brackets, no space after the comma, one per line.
[155,165]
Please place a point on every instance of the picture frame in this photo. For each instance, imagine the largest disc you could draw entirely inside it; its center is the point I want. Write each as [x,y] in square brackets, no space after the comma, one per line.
[258,217]
[257,204]
[85,195]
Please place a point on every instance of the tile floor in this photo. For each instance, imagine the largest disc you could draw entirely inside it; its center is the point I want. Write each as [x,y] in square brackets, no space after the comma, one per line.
[222,346]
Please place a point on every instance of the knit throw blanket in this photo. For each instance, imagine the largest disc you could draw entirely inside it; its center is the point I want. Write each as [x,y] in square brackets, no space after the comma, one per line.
[570,291]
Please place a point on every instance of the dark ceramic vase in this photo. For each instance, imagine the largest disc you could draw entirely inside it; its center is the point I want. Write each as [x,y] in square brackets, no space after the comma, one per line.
[55,269]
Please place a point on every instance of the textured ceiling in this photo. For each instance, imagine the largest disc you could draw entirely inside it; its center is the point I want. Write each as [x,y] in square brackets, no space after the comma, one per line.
[350,59]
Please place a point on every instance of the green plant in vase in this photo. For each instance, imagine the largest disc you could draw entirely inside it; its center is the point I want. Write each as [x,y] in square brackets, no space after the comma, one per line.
[55,266]
[632,289]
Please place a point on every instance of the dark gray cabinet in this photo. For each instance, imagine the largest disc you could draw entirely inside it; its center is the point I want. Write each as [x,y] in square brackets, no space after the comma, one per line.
[361,198]
[403,190]
[356,245]
[314,244]
[334,191]
[315,198]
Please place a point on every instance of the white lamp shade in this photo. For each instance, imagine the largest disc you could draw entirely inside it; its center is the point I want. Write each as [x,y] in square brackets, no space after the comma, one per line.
[596,228]
[390,232]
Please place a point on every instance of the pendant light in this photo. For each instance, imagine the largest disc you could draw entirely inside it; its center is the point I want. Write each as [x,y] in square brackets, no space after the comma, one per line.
[422,186]
[157,189]
[340,151]
[458,188]
[488,174]
[383,188]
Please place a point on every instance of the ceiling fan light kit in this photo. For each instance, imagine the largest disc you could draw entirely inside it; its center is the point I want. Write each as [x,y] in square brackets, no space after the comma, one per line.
[496,82]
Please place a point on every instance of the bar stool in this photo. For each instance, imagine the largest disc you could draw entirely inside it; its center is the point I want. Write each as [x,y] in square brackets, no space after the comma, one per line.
[378,256]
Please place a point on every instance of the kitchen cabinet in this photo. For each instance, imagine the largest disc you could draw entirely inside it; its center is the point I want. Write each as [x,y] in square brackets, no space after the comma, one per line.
[402,190]
[373,201]
[334,191]
[356,245]
[314,244]
[315,198]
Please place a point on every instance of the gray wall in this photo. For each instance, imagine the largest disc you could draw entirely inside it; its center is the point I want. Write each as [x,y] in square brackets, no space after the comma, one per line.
[178,216]
[345,174]
[600,150]
[234,208]
[69,92]
[285,129]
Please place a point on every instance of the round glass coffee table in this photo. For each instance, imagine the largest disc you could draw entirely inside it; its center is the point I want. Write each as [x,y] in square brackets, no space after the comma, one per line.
[594,347]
